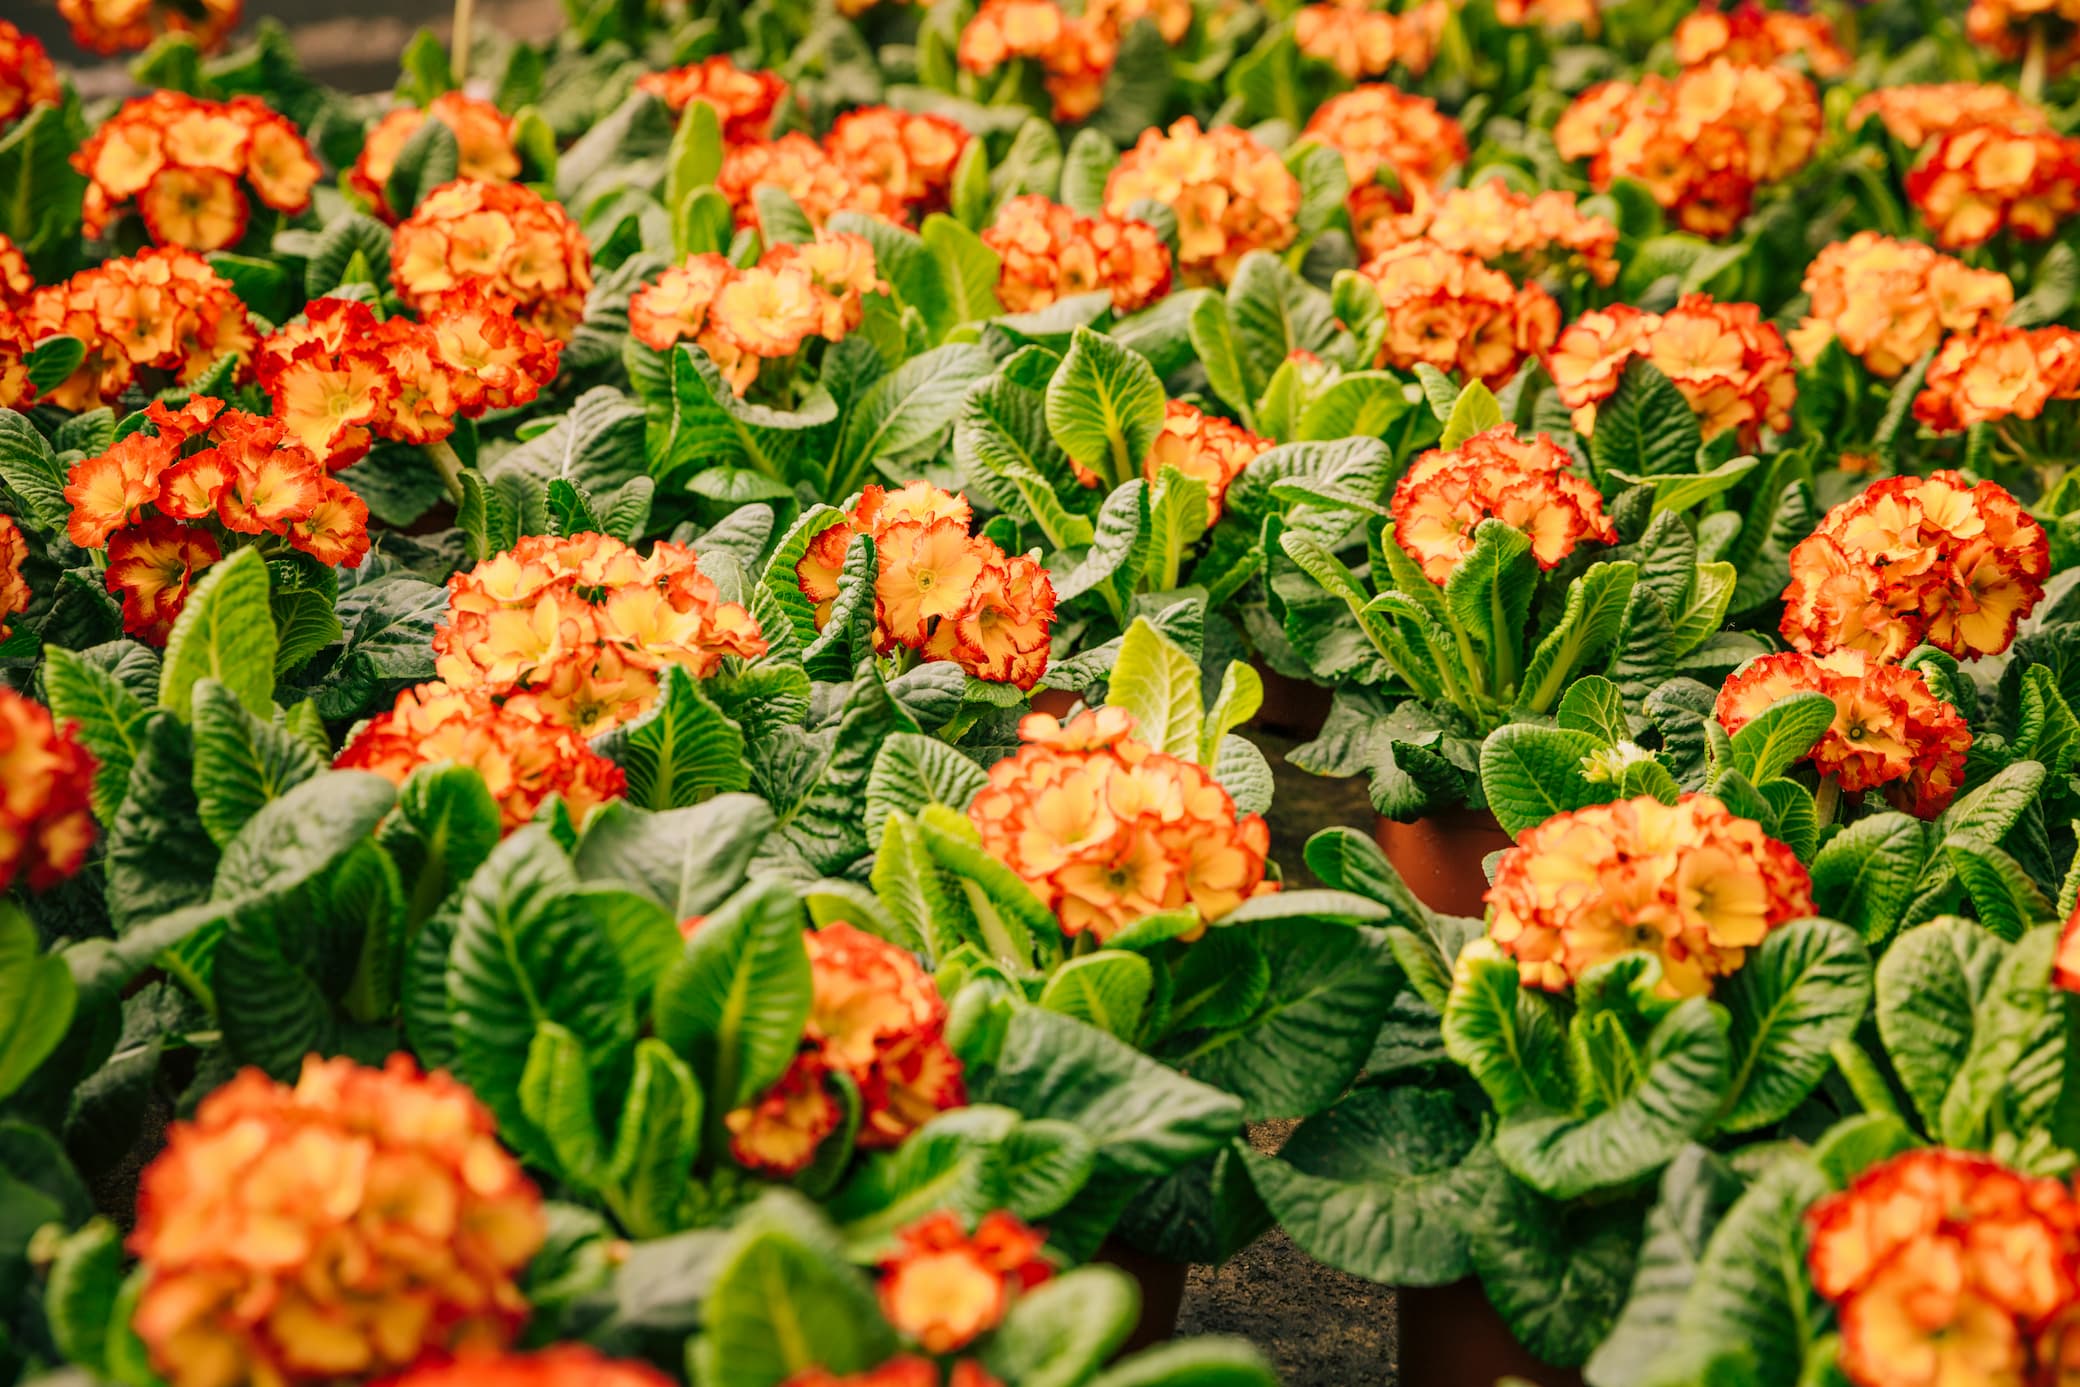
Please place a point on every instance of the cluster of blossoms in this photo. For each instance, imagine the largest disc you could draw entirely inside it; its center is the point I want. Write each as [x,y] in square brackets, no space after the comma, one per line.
[939,592]
[2006,27]
[340,379]
[1107,830]
[1889,732]
[904,1370]
[183,160]
[1231,194]
[1050,253]
[946,1288]
[45,775]
[1397,150]
[1525,235]
[27,77]
[876,1018]
[1729,363]
[1523,482]
[876,160]
[120,26]
[503,236]
[163,311]
[164,501]
[1690,883]
[1448,310]
[336,1229]
[1947,1267]
[586,626]
[1916,559]
[1998,373]
[523,755]
[562,1365]
[744,317]
[1550,14]
[1987,177]
[14,587]
[743,102]
[1887,302]
[1204,447]
[1916,114]
[1752,36]
[1701,143]
[1075,53]
[483,145]
[1360,41]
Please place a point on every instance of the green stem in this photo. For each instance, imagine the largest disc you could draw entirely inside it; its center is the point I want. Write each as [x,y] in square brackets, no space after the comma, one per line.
[458,41]
[1863,1078]
[2031,86]
[449,465]
[1827,800]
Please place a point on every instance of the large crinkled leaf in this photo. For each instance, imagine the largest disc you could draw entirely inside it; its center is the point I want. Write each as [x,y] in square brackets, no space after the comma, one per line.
[1489,592]
[1588,624]
[111,718]
[1646,429]
[241,763]
[969,1160]
[446,824]
[682,750]
[1060,1333]
[596,446]
[735,1001]
[36,999]
[225,632]
[1807,986]
[1556,1272]
[2018,1043]
[1005,452]
[1530,773]
[783,1301]
[1274,313]
[1105,406]
[914,770]
[159,858]
[31,471]
[1865,874]
[1930,985]
[1507,1037]
[1751,1297]
[1157,682]
[1696,1191]
[1109,989]
[910,407]
[1781,734]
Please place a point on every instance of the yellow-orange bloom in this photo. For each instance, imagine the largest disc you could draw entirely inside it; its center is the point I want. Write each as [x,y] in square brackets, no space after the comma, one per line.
[1202,446]
[1231,194]
[1914,115]
[483,142]
[160,317]
[45,777]
[1524,482]
[1527,236]
[27,77]
[1689,883]
[16,282]
[117,26]
[1753,36]
[1361,42]
[1889,732]
[1915,559]
[820,183]
[186,163]
[1075,52]
[1050,253]
[502,236]
[1550,14]
[1888,302]
[1450,311]
[945,1289]
[1106,830]
[1980,180]
[14,585]
[1732,366]
[337,1229]
[1998,373]
[1397,150]
[909,157]
[743,101]
[2005,28]
[560,1365]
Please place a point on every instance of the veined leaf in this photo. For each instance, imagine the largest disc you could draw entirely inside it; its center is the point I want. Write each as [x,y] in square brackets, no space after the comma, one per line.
[241,763]
[681,751]
[1508,1039]
[1781,734]
[1158,683]
[736,1000]
[36,999]
[224,632]
[1105,406]
[111,718]
[1109,989]
[1807,986]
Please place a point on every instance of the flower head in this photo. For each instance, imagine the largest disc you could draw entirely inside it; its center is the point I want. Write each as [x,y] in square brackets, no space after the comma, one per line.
[14,584]
[1075,53]
[1915,115]
[1397,150]
[743,101]
[1997,372]
[909,157]
[946,1288]
[1524,482]
[1888,302]
[1050,253]
[1915,559]
[187,163]
[162,315]
[820,183]
[1450,311]
[118,26]
[27,78]
[1231,194]
[1982,179]
[1889,731]
[2006,27]
[502,236]
[1732,366]
[1753,36]
[1204,447]
[483,142]
[560,1365]
[45,776]
[1106,829]
[1528,236]
[1361,42]
[340,1228]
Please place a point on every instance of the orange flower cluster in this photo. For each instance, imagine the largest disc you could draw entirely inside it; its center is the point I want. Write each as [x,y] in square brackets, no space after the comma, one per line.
[1701,143]
[1916,559]
[1998,373]
[1362,42]
[1731,365]
[16,282]
[1753,36]
[1107,830]
[904,1370]
[1075,52]
[1452,312]
[1948,1268]
[1982,179]
[523,755]
[586,625]
[820,184]
[334,1230]
[1525,235]
[744,317]
[1689,883]
[27,76]
[1231,194]
[876,160]
[182,158]
[560,1365]
[1914,115]
[1550,14]
[45,775]
[940,592]
[2004,28]
[163,310]
[1889,731]
[503,236]
[165,503]
[1887,302]
[118,26]
[1397,150]
[483,142]
[874,1017]
[14,587]
[1523,482]
[743,102]
[1203,446]
[946,1289]
[340,379]
[1050,253]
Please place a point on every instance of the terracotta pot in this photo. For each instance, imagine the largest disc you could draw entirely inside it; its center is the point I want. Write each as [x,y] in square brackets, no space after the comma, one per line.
[1440,858]
[1055,701]
[1293,707]
[1452,1337]
[1162,1292]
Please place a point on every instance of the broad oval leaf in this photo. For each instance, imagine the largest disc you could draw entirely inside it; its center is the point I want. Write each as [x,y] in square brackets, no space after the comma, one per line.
[1807,986]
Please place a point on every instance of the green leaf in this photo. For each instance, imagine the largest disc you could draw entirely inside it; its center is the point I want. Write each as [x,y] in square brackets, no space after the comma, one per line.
[1751,1296]
[1595,611]
[1678,492]
[597,445]
[1865,874]
[735,1002]
[971,267]
[1475,411]
[1061,1332]
[915,276]
[1105,406]
[54,358]
[1507,1038]
[224,632]
[241,763]
[1085,168]
[912,406]
[1157,682]
[556,1096]
[446,824]
[1240,695]
[31,471]
[915,770]
[343,239]
[1199,1362]
[36,999]
[970,1161]
[2012,1021]
[1109,989]
[1177,506]
[429,158]
[1004,450]
[1787,730]
[782,1304]
[1213,340]
[79,1302]
[1489,593]
[1696,1191]
[159,859]
[1530,773]
[1647,429]
[1930,985]
[1593,705]
[1274,313]
[111,718]
[1807,986]
[692,162]
[682,750]
[659,1136]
